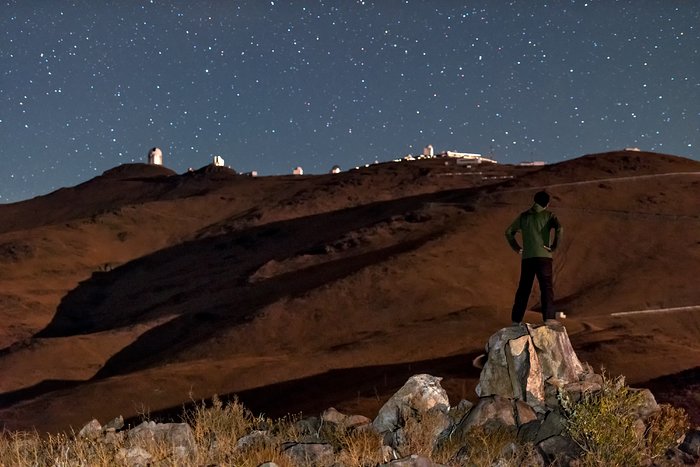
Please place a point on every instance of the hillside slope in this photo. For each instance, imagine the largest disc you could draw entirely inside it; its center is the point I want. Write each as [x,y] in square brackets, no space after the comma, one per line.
[299,292]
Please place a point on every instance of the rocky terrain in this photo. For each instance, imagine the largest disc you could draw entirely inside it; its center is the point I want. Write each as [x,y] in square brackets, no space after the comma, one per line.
[142,290]
[538,405]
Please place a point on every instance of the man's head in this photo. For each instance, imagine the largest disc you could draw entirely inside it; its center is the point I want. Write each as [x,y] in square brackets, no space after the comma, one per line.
[542,198]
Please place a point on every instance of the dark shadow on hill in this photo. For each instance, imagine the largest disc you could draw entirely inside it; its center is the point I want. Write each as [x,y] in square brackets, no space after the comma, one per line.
[342,387]
[163,344]
[10,398]
[210,275]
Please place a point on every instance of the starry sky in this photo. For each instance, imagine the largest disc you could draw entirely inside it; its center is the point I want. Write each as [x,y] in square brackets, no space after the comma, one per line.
[271,85]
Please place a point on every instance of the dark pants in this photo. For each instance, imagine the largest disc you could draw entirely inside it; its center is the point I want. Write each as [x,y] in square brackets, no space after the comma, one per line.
[529,268]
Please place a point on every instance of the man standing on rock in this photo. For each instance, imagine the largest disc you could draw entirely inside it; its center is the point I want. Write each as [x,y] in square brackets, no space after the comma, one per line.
[535,226]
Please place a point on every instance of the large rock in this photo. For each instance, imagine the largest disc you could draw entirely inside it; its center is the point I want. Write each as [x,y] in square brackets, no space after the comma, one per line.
[420,394]
[521,359]
[92,430]
[556,355]
[134,457]
[691,443]
[176,434]
[560,450]
[316,454]
[413,460]
[492,412]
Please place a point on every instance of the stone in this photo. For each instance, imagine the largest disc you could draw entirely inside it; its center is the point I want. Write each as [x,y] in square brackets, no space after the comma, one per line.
[491,412]
[524,413]
[577,390]
[113,438]
[413,460]
[177,434]
[134,457]
[522,456]
[591,377]
[268,464]
[316,454]
[495,378]
[691,443]
[418,395]
[92,430]
[333,416]
[309,427]
[115,424]
[648,405]
[354,422]
[461,410]
[676,456]
[525,371]
[530,363]
[527,433]
[556,354]
[251,439]
[560,449]
[553,425]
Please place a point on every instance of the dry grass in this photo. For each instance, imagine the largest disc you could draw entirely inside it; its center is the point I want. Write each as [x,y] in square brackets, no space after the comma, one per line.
[359,448]
[422,432]
[222,433]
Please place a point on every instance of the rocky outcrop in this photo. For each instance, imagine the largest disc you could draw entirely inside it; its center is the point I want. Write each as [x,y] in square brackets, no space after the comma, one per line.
[522,361]
[531,376]
[421,394]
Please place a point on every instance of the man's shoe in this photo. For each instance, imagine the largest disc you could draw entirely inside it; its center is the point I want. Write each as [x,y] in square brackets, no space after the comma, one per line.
[553,323]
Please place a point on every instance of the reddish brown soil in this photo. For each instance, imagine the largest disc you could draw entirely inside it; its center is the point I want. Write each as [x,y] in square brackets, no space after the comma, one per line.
[141,290]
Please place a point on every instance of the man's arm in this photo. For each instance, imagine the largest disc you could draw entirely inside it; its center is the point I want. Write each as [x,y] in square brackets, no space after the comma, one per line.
[558,232]
[510,235]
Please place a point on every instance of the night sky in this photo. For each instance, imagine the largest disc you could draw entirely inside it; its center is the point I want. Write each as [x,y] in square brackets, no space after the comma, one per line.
[269,85]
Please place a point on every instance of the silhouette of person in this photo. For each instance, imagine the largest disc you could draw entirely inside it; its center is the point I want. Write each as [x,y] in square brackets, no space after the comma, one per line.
[535,226]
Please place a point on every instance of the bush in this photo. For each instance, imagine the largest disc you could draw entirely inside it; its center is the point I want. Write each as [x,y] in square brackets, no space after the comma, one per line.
[607,427]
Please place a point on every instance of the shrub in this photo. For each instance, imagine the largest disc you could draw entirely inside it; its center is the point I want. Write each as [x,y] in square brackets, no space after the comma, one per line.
[665,429]
[218,428]
[607,427]
[421,432]
[359,448]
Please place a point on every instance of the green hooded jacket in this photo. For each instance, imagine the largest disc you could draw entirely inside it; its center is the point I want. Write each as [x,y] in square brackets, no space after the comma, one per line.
[535,226]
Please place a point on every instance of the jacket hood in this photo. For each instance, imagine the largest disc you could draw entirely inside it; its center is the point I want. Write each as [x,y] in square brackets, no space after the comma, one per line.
[537,208]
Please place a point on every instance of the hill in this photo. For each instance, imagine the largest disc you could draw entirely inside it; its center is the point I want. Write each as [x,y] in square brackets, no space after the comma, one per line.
[148,289]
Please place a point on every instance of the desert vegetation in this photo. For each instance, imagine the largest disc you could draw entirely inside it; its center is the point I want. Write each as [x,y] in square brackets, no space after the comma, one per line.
[604,424]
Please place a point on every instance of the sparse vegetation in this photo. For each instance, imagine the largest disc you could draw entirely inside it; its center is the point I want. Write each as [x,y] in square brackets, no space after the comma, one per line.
[607,426]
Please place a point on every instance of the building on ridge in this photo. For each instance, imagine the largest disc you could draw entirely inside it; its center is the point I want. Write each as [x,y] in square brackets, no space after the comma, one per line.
[218,161]
[298,171]
[467,156]
[155,156]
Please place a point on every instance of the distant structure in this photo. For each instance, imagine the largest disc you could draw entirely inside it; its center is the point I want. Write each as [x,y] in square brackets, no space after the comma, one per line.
[155,156]
[532,163]
[428,151]
[335,169]
[467,156]
[218,161]
[633,149]
[298,171]
[253,173]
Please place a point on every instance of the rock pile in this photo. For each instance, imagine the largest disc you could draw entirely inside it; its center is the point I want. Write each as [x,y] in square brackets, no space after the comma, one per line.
[529,374]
